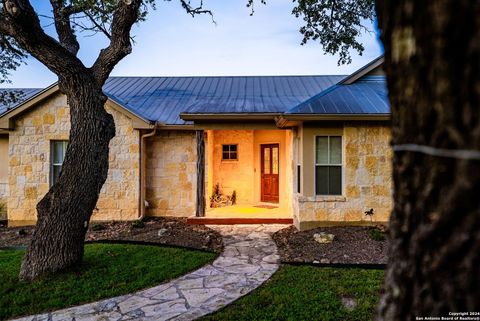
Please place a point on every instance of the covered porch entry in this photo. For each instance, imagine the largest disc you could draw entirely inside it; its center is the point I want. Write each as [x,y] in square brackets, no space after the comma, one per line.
[248,174]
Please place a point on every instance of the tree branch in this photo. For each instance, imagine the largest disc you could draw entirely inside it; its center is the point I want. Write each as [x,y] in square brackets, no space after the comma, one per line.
[20,21]
[63,26]
[97,25]
[193,11]
[120,46]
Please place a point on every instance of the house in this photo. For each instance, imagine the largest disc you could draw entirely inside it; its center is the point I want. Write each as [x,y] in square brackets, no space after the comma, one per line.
[312,149]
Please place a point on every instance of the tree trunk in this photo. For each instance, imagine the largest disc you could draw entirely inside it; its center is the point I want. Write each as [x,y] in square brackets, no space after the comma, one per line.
[64,213]
[200,210]
[432,60]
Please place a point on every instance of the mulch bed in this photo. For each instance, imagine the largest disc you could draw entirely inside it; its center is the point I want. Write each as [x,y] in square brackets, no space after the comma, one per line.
[352,245]
[167,231]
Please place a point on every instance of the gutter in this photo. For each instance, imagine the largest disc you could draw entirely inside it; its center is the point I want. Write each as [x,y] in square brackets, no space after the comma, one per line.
[378,117]
[230,116]
[143,202]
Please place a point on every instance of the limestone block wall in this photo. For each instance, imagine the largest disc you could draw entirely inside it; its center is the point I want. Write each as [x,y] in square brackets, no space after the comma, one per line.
[29,163]
[367,179]
[171,179]
[3,175]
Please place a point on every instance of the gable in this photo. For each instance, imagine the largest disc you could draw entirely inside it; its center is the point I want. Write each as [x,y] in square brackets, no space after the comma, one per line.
[362,94]
[7,119]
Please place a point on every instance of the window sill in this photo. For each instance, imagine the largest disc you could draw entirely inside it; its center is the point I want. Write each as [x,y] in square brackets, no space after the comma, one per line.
[229,160]
[322,198]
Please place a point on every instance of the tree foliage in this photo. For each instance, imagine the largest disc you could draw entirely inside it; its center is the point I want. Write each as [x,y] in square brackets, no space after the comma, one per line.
[335,24]
[71,18]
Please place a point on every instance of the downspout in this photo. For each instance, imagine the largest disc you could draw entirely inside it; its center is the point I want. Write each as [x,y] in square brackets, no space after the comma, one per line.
[143,170]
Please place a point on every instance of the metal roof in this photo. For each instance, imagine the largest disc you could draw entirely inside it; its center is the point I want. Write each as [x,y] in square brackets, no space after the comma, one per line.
[163,99]
[22,95]
[367,95]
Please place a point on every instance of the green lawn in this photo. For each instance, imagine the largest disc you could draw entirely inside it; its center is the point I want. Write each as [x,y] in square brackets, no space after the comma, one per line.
[300,293]
[108,270]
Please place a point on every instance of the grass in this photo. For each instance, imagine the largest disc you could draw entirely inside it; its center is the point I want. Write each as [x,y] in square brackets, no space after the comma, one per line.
[309,293]
[108,270]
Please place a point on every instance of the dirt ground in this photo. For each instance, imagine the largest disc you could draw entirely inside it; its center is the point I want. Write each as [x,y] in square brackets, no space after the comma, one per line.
[351,245]
[169,231]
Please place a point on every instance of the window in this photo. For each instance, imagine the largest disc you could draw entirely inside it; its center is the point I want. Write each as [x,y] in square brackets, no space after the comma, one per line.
[57,150]
[328,165]
[229,152]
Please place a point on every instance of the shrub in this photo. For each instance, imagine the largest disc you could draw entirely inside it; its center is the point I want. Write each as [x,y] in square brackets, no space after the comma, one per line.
[3,210]
[98,227]
[138,224]
[376,234]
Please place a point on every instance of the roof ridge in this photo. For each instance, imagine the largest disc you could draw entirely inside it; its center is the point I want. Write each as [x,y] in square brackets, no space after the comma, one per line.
[234,76]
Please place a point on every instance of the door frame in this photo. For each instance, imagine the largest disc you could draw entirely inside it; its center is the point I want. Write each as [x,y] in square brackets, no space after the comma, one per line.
[262,146]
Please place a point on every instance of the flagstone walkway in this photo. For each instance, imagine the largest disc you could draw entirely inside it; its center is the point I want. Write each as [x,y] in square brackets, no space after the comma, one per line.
[249,259]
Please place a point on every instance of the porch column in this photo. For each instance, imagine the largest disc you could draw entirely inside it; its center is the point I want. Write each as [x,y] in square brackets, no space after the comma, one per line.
[200,211]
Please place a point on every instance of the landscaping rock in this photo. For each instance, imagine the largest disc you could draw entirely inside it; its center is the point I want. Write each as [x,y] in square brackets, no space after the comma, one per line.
[349,303]
[162,232]
[323,238]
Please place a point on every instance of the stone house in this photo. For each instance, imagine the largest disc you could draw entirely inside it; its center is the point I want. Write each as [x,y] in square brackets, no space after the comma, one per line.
[309,149]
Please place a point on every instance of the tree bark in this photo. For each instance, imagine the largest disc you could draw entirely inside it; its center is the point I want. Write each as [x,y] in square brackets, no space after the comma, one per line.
[432,61]
[65,211]
[200,210]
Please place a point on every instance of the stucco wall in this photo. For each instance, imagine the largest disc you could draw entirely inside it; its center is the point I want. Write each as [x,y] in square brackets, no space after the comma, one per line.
[29,163]
[238,174]
[243,175]
[367,177]
[171,179]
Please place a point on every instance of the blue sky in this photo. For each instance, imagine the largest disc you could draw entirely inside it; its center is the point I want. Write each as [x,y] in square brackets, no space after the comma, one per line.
[172,43]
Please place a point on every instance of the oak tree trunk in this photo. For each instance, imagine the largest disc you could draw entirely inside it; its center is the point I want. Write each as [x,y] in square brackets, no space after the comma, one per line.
[432,60]
[65,211]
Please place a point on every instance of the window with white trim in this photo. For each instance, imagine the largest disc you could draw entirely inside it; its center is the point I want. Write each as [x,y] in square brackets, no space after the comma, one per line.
[229,152]
[328,165]
[58,149]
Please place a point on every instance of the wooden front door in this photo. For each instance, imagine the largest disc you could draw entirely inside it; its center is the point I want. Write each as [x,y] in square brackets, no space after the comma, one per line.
[270,160]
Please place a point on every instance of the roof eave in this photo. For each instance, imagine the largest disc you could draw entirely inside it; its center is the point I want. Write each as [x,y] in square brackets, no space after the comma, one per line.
[229,116]
[6,119]
[363,71]
[333,117]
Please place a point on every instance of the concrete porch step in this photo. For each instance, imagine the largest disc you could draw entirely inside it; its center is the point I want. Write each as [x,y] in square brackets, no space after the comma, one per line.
[240,220]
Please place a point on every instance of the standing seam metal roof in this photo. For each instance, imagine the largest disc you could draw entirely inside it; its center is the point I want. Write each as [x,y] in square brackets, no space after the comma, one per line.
[367,95]
[163,99]
[23,94]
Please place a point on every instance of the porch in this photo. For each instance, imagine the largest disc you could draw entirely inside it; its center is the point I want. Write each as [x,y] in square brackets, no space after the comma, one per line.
[248,175]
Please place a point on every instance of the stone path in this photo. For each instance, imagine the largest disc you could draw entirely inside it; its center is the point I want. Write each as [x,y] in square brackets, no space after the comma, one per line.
[249,259]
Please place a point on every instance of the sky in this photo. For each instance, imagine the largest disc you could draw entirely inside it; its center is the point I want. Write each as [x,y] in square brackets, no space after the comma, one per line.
[172,43]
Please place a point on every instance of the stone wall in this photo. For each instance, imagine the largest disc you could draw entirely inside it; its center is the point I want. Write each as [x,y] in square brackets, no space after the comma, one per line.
[29,163]
[3,176]
[367,181]
[171,179]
